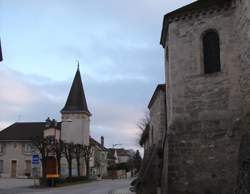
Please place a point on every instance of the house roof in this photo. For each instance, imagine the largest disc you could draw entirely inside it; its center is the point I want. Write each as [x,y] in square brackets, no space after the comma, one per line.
[120,152]
[22,131]
[160,87]
[97,144]
[195,6]
[76,101]
[28,130]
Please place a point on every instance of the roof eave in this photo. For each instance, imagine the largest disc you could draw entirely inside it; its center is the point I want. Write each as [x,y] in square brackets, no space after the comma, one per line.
[76,112]
[158,88]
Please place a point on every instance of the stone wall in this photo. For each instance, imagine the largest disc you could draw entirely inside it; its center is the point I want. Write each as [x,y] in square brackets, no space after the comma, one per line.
[205,112]
[157,119]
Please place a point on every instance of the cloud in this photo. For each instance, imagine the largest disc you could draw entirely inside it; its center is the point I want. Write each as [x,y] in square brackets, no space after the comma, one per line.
[24,99]
[116,106]
[116,42]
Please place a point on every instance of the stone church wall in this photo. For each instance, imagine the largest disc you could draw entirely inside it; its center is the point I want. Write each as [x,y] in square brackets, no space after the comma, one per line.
[205,112]
[157,119]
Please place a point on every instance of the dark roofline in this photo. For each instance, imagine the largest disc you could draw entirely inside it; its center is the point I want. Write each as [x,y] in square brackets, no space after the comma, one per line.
[75,111]
[76,101]
[92,140]
[160,87]
[198,5]
[24,131]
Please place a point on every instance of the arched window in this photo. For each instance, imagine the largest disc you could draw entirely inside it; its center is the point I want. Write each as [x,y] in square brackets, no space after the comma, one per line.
[211,52]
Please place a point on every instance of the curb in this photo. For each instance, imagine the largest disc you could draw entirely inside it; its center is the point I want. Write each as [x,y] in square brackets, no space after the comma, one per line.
[122,191]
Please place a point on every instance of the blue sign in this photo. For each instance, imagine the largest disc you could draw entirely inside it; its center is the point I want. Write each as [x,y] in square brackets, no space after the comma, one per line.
[35,159]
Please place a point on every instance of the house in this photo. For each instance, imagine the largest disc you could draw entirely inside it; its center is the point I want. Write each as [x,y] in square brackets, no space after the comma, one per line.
[120,162]
[16,141]
[206,46]
[121,155]
[16,148]
[152,139]
[99,161]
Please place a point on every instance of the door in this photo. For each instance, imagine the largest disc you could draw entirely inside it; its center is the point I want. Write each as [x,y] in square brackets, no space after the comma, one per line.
[27,168]
[51,166]
[13,168]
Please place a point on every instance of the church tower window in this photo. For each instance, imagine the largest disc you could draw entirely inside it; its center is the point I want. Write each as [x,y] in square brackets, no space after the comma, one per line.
[211,52]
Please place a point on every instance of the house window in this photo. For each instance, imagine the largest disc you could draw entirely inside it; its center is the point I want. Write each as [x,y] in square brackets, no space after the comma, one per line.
[211,52]
[27,148]
[1,166]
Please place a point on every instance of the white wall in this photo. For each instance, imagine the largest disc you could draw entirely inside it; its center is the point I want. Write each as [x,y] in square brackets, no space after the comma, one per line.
[75,128]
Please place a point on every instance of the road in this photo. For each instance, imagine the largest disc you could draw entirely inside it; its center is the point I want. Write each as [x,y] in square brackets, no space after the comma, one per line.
[97,187]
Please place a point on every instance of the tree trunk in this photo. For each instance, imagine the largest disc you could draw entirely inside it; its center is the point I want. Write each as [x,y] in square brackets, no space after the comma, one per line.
[87,169]
[78,166]
[59,166]
[70,168]
[43,170]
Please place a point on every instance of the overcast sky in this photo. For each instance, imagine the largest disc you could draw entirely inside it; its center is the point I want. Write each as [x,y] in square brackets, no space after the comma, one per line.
[116,42]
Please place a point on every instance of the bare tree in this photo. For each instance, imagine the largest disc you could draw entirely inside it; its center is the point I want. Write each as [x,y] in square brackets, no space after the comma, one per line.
[87,153]
[68,151]
[58,149]
[42,145]
[143,124]
[79,152]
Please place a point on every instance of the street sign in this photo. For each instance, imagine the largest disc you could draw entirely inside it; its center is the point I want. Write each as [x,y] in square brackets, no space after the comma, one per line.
[35,159]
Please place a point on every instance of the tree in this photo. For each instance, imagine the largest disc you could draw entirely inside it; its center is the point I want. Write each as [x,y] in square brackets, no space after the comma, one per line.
[79,152]
[68,151]
[143,125]
[42,145]
[87,153]
[137,160]
[58,149]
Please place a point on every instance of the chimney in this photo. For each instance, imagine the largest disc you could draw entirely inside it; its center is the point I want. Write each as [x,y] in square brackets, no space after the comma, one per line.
[102,141]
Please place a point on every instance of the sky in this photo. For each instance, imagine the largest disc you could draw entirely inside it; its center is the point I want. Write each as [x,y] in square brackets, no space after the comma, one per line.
[116,43]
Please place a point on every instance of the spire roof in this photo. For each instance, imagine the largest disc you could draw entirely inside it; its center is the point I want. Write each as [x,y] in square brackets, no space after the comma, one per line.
[76,101]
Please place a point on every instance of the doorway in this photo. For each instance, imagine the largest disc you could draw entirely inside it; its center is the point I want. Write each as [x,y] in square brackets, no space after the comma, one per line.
[13,168]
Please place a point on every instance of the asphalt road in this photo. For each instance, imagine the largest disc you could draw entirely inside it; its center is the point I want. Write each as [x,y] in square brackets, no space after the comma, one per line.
[13,186]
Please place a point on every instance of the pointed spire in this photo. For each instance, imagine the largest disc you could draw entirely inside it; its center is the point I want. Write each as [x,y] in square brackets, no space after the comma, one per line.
[76,101]
[77,65]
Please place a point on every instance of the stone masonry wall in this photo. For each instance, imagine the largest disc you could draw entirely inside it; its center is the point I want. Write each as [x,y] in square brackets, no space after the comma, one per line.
[205,112]
[243,30]
[157,119]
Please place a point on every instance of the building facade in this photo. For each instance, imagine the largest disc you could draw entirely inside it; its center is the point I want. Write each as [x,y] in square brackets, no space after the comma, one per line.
[16,149]
[208,98]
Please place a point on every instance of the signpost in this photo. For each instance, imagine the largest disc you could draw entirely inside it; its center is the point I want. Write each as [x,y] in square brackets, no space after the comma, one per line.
[35,159]
[35,167]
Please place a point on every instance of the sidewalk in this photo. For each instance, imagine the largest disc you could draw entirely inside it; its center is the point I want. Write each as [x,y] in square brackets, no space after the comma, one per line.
[122,191]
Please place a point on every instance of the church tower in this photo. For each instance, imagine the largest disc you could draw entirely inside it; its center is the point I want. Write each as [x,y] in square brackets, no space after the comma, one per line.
[76,115]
